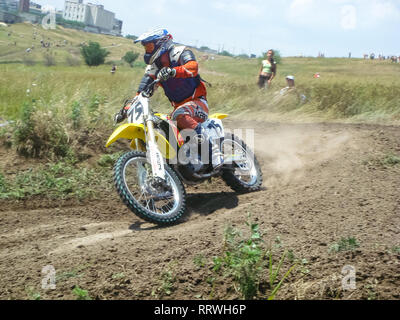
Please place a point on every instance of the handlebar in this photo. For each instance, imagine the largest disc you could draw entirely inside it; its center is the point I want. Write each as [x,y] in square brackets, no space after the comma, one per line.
[148,90]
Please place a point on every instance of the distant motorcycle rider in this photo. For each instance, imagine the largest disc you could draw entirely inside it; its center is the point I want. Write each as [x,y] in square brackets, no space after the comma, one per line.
[177,68]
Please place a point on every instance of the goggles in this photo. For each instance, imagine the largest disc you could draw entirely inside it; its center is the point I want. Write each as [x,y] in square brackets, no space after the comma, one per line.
[149,47]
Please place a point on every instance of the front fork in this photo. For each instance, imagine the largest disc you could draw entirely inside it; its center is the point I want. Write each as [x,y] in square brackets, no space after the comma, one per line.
[156,158]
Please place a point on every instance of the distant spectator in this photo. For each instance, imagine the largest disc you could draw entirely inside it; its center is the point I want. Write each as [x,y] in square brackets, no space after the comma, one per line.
[113,69]
[289,85]
[267,71]
[289,92]
[372,56]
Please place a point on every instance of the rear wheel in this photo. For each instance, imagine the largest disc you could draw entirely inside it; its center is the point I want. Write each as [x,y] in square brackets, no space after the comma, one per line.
[242,171]
[154,200]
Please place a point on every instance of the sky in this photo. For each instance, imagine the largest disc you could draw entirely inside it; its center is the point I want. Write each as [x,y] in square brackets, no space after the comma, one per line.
[294,27]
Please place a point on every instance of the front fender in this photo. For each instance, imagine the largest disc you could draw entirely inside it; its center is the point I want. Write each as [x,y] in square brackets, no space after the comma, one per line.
[133,131]
[218,116]
[130,131]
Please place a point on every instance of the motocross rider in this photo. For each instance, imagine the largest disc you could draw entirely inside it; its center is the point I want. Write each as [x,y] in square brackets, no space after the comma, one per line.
[177,68]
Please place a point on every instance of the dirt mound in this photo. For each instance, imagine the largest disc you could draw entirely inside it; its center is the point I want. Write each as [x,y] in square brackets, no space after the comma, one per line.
[323,183]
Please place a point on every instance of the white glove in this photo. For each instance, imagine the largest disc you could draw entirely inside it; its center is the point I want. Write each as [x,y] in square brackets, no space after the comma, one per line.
[166,73]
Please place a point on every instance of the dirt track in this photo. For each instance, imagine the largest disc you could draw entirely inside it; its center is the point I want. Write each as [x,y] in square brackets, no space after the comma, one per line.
[322,182]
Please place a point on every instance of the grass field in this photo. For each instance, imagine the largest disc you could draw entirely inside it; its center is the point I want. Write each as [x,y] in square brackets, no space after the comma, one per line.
[348,90]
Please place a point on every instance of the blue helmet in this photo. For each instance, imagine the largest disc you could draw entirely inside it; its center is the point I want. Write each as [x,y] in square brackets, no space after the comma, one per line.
[156,43]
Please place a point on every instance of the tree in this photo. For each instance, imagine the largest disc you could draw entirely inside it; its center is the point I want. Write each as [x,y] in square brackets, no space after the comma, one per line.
[94,54]
[131,37]
[277,56]
[243,56]
[130,57]
[226,53]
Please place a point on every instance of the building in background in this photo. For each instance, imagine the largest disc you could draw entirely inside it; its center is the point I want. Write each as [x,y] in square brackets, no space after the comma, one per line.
[94,16]
[24,5]
[117,29]
[35,6]
[89,17]
[9,5]
[74,10]
[9,11]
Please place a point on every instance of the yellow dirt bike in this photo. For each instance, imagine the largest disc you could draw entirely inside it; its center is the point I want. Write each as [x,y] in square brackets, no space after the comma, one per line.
[150,179]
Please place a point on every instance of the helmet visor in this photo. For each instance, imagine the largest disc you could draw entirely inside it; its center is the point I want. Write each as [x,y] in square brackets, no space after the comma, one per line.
[149,47]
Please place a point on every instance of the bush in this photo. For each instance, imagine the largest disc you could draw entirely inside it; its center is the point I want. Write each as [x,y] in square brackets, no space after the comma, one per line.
[39,134]
[72,61]
[76,115]
[245,261]
[277,56]
[108,160]
[243,56]
[49,60]
[130,57]
[94,54]
[345,244]
[226,54]
[59,180]
[3,184]
[28,61]
[131,37]
[139,64]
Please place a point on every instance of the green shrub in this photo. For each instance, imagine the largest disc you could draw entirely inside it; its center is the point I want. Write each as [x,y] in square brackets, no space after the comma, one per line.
[3,184]
[108,160]
[277,56]
[76,115]
[245,261]
[139,64]
[345,244]
[226,53]
[55,181]
[391,160]
[130,57]
[81,294]
[94,103]
[166,281]
[40,134]
[131,37]
[94,54]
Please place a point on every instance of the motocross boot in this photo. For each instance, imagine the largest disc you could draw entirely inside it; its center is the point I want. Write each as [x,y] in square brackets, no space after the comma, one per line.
[216,158]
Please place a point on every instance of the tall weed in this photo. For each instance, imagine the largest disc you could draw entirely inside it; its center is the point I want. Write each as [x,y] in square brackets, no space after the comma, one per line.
[40,134]
[246,262]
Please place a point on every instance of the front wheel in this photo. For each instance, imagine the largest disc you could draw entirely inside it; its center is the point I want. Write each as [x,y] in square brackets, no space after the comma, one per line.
[160,202]
[242,171]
